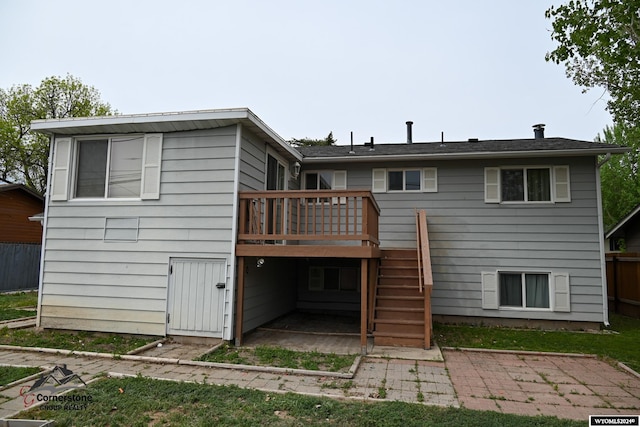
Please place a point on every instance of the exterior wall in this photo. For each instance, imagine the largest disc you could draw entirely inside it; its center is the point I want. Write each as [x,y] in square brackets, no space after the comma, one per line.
[270,290]
[90,284]
[327,300]
[16,206]
[468,236]
[252,163]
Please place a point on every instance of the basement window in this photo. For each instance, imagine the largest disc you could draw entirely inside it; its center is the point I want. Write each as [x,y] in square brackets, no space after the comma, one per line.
[337,279]
[524,290]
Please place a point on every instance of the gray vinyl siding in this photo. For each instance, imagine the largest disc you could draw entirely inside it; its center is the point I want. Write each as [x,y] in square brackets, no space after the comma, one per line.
[268,295]
[89,284]
[253,157]
[468,236]
[252,163]
[270,291]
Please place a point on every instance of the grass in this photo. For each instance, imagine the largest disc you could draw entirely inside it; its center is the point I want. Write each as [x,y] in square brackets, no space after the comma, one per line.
[146,402]
[620,342]
[9,374]
[12,306]
[71,340]
[280,357]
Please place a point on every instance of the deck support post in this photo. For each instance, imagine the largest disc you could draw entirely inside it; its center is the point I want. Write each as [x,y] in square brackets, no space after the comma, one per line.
[364,287]
[239,300]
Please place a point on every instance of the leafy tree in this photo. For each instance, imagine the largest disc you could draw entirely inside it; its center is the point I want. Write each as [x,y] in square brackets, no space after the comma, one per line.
[23,153]
[599,44]
[620,176]
[307,142]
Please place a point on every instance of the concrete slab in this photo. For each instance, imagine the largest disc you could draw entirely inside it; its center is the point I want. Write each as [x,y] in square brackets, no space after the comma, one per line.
[433,354]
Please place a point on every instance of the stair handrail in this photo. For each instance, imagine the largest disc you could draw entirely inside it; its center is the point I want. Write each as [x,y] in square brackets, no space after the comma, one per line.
[424,256]
[418,249]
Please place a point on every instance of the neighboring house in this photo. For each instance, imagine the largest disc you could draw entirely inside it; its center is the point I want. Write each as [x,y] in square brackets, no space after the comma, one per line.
[17,204]
[19,237]
[209,224]
[625,233]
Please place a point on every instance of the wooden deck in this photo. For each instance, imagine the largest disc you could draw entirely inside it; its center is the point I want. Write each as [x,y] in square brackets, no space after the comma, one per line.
[324,224]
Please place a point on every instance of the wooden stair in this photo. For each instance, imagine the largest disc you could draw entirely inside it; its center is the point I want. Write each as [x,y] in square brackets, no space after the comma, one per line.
[399,316]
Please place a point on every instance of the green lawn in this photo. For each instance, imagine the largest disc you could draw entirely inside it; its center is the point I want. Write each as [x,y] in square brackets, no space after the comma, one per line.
[12,305]
[76,341]
[280,357]
[620,342]
[145,402]
[9,374]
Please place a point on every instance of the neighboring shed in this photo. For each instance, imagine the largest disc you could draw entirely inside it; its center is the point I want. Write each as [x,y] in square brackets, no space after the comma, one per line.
[20,237]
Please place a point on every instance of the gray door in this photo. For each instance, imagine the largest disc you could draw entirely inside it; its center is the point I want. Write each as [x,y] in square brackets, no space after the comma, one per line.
[196,297]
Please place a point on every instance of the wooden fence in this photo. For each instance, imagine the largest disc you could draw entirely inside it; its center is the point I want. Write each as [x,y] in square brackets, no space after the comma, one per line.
[623,283]
[19,266]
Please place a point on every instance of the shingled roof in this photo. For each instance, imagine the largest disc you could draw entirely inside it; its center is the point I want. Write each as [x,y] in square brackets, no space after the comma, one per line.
[533,147]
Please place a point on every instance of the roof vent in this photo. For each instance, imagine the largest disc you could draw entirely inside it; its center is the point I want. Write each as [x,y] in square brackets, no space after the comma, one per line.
[409,132]
[370,145]
[473,139]
[538,131]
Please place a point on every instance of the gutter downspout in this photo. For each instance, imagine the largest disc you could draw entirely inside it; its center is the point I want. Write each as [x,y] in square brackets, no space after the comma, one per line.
[603,262]
[44,230]
[231,311]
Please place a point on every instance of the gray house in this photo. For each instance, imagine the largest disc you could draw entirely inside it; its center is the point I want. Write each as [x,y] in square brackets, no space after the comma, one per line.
[209,224]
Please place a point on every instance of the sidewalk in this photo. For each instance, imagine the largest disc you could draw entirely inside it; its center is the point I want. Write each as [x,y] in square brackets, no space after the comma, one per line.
[401,379]
[520,383]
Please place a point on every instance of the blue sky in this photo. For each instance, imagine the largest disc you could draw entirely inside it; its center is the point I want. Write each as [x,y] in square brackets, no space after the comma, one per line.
[466,68]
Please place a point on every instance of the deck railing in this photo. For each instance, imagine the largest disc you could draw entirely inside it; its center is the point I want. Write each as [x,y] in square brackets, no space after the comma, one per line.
[311,216]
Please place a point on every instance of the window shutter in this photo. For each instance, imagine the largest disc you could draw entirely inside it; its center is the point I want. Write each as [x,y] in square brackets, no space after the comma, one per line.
[339,180]
[489,290]
[339,183]
[561,182]
[430,180]
[151,160]
[562,294]
[60,173]
[379,180]
[492,185]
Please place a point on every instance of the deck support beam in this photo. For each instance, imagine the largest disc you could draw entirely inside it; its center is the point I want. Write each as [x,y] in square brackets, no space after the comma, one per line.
[239,301]
[364,287]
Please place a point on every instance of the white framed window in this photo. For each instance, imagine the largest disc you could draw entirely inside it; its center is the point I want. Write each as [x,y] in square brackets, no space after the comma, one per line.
[526,290]
[527,184]
[404,180]
[326,180]
[107,167]
[337,279]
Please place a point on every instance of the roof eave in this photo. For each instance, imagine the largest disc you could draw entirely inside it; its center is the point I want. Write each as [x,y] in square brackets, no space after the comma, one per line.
[56,126]
[49,126]
[622,223]
[465,156]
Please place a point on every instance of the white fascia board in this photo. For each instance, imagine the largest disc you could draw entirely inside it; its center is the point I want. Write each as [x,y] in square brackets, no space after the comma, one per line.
[463,156]
[277,138]
[51,125]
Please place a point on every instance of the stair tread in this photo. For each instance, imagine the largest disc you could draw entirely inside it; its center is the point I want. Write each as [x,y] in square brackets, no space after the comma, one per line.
[401,297]
[414,310]
[397,335]
[398,287]
[399,321]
